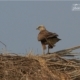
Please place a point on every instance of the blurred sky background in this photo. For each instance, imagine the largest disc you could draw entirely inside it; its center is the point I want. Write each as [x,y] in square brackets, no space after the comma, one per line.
[19,20]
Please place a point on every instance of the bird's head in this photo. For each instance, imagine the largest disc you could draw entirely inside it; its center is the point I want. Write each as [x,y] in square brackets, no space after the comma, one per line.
[41,27]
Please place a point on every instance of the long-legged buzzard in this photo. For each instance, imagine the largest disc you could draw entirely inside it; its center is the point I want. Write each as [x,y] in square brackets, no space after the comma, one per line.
[47,38]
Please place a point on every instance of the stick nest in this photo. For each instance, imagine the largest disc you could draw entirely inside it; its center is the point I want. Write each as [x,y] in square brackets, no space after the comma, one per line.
[41,67]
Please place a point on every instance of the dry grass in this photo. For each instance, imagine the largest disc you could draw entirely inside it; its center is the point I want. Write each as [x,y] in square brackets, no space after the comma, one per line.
[38,67]
[34,67]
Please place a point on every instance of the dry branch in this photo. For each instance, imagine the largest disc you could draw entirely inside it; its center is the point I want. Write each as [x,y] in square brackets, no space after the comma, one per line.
[60,53]
[66,51]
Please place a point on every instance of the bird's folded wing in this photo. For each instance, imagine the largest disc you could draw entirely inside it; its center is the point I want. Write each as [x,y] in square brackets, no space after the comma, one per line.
[46,34]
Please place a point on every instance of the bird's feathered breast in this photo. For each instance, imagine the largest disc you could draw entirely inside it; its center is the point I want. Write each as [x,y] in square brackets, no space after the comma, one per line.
[44,34]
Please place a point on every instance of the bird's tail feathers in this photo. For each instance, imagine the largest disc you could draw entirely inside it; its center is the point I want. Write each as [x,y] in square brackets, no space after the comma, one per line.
[52,41]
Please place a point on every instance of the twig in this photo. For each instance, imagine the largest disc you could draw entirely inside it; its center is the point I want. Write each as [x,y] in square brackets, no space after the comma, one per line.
[66,51]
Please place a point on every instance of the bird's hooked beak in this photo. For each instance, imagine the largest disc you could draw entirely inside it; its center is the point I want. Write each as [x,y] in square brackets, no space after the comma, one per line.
[37,28]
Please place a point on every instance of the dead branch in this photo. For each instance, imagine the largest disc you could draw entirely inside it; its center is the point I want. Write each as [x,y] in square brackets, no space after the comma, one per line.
[66,51]
[60,53]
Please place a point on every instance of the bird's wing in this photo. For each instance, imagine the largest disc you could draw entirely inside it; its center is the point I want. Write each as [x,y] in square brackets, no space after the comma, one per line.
[50,34]
[46,34]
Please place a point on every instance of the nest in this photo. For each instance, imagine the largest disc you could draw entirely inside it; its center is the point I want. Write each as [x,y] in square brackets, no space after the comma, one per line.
[41,67]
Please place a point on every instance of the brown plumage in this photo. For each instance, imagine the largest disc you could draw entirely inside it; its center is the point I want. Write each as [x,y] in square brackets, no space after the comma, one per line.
[47,38]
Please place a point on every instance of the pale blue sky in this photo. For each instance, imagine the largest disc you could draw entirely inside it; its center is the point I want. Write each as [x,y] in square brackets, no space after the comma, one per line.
[19,20]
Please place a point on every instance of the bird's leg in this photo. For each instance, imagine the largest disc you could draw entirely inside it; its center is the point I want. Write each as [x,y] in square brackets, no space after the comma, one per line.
[43,51]
[48,49]
[43,48]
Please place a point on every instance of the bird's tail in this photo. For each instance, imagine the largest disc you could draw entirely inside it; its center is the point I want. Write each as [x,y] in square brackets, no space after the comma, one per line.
[52,42]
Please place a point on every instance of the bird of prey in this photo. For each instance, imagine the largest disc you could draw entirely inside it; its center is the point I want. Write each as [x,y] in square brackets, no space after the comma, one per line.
[47,38]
